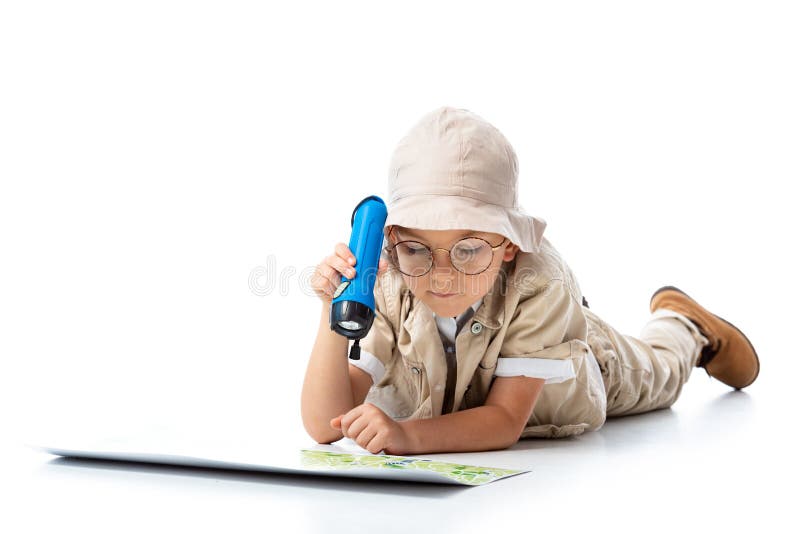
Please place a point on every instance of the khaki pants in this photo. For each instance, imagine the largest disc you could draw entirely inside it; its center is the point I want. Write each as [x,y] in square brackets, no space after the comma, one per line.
[648,372]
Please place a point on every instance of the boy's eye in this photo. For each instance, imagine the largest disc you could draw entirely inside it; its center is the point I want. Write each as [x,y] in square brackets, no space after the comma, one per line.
[410,249]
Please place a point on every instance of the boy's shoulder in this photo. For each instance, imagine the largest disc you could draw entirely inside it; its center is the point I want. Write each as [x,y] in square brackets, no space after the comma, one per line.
[535,270]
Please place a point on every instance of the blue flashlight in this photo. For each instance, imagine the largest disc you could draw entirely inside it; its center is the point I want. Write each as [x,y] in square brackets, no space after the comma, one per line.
[353,304]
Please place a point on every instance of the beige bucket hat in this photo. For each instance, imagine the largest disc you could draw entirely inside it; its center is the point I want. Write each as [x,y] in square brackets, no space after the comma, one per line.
[454,170]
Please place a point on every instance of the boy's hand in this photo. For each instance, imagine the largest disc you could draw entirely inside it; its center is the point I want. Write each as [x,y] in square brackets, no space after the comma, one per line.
[371,428]
[328,274]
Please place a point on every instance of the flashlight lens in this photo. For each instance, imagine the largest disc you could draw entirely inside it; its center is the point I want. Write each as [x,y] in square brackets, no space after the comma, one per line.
[350,325]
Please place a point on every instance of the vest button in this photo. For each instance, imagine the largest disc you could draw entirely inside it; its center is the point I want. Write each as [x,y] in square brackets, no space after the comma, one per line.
[415,370]
[476,328]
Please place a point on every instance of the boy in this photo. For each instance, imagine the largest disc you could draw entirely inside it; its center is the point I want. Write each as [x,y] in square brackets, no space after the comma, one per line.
[481,333]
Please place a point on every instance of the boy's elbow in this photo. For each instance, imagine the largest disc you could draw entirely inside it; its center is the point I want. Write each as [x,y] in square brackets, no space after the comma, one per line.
[514,427]
[322,436]
[504,444]
[512,441]
[505,432]
[326,441]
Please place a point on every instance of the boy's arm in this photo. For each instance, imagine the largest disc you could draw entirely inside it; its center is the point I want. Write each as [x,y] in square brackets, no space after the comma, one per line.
[360,383]
[327,388]
[495,425]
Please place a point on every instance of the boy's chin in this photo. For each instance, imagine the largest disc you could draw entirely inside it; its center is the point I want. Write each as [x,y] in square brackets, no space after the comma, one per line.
[445,306]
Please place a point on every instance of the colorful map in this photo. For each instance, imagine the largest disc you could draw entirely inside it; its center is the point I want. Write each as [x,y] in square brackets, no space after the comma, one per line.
[472,475]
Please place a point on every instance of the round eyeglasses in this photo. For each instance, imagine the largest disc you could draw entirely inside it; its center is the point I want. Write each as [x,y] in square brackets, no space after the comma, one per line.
[470,255]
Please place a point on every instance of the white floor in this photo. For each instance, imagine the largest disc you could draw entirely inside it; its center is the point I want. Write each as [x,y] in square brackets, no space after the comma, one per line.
[718,459]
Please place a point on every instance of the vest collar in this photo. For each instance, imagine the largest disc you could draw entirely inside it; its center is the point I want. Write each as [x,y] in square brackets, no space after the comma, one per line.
[490,311]
[419,329]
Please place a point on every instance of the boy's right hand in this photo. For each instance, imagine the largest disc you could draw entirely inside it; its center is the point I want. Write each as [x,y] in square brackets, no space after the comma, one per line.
[329,272]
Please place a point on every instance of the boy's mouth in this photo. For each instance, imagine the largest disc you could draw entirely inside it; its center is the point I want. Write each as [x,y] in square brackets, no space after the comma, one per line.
[442,295]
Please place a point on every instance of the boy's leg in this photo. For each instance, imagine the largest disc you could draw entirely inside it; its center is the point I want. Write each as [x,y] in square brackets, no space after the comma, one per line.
[647,372]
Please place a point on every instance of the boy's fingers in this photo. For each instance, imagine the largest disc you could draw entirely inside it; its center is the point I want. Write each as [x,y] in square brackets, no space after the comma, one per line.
[340,267]
[344,252]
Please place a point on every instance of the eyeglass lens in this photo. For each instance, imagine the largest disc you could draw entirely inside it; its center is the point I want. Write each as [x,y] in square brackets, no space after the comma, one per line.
[470,255]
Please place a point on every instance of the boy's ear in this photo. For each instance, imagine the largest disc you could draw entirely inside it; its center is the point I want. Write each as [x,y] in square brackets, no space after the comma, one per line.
[511,252]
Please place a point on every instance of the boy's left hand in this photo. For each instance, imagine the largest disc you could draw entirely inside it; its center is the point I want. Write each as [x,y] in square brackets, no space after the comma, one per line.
[371,428]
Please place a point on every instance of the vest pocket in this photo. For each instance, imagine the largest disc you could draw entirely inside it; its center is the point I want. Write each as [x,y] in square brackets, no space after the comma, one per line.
[489,362]
[478,389]
[414,374]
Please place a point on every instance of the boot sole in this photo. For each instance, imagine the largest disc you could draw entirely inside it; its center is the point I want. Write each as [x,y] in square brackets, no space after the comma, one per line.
[758,361]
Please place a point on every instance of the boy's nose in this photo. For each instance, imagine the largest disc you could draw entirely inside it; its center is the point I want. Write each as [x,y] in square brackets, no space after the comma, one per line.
[443,263]
[443,279]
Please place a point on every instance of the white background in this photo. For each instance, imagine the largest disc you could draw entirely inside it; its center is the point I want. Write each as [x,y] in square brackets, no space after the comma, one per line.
[154,155]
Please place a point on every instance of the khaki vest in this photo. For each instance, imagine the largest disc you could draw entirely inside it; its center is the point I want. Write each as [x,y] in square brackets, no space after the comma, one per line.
[533,310]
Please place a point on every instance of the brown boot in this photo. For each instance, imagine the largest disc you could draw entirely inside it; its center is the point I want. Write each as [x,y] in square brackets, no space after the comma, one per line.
[729,357]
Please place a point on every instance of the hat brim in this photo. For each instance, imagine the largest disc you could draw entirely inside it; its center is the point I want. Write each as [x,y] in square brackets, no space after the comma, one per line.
[451,212]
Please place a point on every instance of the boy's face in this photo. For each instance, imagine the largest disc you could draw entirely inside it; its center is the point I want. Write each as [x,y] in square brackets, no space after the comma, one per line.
[443,278]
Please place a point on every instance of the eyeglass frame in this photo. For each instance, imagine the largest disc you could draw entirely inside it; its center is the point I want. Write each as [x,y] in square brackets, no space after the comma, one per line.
[390,249]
